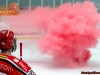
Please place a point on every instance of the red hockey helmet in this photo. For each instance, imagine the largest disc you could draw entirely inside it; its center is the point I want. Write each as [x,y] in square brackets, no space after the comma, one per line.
[7,40]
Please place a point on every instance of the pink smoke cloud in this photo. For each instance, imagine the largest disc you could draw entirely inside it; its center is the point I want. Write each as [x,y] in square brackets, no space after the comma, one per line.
[69,30]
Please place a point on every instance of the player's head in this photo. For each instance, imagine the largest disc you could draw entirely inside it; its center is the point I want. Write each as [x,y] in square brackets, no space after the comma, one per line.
[7,41]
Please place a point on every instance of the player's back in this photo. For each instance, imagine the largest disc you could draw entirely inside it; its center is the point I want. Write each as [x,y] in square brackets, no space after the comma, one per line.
[10,65]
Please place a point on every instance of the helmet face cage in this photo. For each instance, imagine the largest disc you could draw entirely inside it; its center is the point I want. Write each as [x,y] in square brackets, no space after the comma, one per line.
[14,44]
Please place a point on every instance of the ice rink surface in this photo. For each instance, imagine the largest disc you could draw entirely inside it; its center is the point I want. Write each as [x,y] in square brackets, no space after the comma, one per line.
[42,65]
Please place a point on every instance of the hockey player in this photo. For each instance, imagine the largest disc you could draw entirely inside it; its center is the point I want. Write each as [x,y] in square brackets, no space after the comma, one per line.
[10,65]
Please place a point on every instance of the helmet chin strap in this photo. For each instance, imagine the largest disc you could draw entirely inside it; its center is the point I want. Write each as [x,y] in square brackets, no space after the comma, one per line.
[14,44]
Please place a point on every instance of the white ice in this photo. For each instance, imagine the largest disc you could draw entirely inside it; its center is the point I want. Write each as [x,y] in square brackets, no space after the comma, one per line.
[41,64]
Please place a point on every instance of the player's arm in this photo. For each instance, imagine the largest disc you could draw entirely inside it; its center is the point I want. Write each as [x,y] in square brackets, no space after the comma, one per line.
[26,68]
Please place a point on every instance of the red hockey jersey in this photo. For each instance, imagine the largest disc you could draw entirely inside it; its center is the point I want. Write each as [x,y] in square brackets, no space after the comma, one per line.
[10,65]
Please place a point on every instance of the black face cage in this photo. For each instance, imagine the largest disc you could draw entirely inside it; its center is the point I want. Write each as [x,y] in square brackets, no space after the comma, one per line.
[14,45]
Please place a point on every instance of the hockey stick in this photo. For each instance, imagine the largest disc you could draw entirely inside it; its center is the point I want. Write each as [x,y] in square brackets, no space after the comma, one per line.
[20,51]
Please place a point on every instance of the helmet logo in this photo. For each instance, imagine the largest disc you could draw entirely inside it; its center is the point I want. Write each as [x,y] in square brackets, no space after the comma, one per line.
[2,43]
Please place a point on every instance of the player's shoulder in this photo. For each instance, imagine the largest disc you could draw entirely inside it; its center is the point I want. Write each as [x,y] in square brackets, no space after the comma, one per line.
[20,63]
[16,62]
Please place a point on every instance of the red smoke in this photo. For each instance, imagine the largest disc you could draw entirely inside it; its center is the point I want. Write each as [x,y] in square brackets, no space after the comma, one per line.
[69,30]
